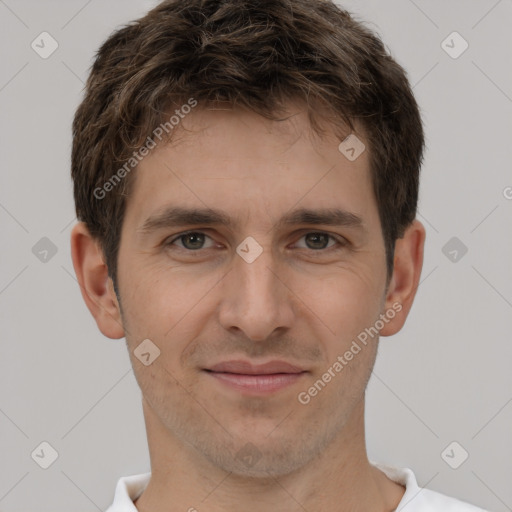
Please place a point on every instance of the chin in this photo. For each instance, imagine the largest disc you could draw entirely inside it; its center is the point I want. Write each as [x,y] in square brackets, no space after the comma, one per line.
[264,458]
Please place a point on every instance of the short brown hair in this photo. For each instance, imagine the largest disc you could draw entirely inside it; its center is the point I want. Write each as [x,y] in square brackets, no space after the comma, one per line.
[254,54]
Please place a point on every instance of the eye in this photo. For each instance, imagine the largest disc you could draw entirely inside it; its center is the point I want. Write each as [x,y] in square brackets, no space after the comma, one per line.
[192,241]
[195,240]
[318,241]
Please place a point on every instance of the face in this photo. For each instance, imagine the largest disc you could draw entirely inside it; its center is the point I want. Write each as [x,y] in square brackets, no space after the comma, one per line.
[252,306]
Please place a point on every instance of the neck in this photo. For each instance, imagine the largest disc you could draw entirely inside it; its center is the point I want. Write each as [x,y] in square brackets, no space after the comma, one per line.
[341,479]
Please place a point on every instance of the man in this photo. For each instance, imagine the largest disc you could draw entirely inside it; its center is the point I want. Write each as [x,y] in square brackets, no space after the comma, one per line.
[246,179]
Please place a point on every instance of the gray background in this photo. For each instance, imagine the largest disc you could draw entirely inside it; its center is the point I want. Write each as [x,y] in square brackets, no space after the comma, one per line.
[445,377]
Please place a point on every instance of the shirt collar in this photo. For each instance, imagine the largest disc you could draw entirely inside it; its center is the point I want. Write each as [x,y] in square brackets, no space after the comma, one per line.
[129,488]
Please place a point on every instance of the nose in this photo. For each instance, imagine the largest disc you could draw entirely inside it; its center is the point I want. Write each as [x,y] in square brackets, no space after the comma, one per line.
[255,297]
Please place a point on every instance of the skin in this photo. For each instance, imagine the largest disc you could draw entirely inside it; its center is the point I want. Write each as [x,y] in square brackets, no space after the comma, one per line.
[303,300]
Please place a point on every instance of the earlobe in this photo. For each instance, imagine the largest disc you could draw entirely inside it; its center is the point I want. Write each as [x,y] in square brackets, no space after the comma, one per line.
[95,285]
[408,262]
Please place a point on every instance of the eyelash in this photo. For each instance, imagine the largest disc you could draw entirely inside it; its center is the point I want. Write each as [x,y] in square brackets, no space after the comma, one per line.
[341,242]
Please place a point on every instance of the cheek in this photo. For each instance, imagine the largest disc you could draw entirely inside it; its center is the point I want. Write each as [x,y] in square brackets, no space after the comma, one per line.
[170,319]
[166,307]
[345,303]
[349,307]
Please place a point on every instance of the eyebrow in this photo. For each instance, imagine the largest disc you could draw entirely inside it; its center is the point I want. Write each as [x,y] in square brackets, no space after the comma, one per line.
[180,216]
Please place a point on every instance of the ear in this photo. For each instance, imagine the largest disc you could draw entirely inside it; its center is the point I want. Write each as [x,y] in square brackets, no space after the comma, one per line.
[96,287]
[408,262]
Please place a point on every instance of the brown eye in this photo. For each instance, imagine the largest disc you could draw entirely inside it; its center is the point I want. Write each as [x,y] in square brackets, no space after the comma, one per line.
[318,241]
[191,241]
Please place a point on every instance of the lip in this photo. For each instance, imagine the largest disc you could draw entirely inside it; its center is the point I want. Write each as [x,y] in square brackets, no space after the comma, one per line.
[251,379]
[247,368]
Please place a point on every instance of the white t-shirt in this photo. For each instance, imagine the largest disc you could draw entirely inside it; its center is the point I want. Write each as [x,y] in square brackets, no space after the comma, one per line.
[415,499]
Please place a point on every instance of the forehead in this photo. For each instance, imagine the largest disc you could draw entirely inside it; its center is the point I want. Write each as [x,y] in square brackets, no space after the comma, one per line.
[238,159]
[239,133]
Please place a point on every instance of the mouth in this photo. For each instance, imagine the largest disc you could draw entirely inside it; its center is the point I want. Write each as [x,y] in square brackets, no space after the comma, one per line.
[254,379]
